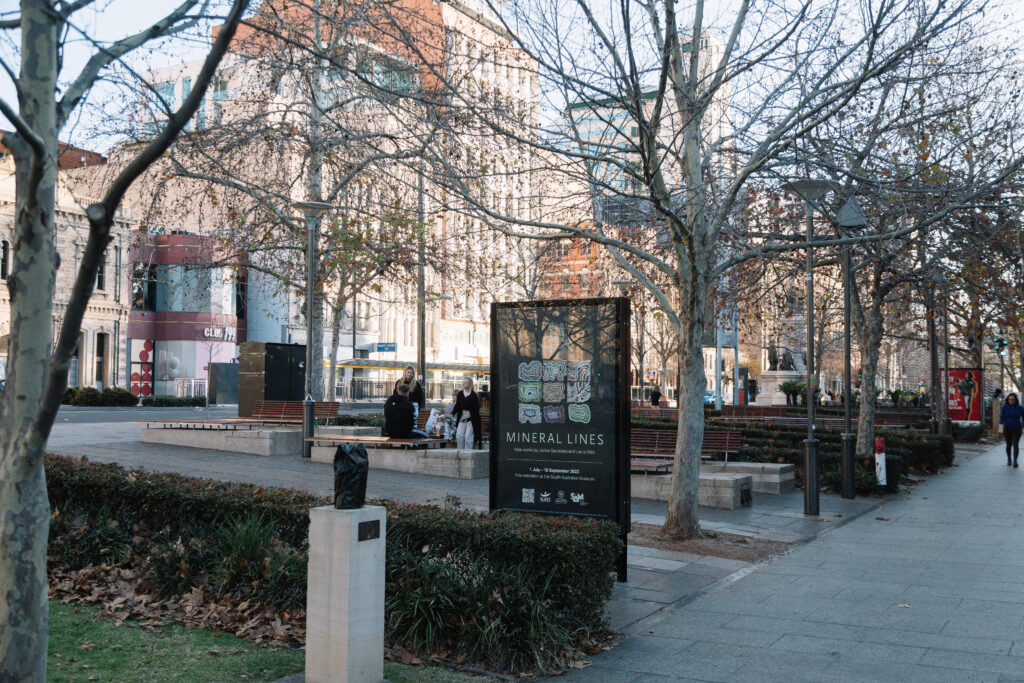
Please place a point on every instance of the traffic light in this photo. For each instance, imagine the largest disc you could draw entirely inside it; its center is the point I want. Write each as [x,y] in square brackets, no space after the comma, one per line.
[999,344]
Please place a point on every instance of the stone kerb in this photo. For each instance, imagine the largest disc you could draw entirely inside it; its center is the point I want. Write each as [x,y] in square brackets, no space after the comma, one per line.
[266,441]
[771,478]
[727,491]
[440,462]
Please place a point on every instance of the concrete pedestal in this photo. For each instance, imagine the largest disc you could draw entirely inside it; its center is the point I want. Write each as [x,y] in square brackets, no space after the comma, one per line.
[345,596]
[769,381]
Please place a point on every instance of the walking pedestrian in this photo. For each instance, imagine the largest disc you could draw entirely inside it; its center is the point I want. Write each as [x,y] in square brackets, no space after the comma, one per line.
[1011,417]
[469,433]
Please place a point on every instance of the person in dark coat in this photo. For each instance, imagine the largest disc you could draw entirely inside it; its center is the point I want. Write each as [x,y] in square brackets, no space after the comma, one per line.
[469,432]
[400,417]
[656,396]
[416,395]
[1011,417]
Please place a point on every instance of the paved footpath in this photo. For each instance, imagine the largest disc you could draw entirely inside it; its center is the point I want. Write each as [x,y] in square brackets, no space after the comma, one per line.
[932,591]
[929,586]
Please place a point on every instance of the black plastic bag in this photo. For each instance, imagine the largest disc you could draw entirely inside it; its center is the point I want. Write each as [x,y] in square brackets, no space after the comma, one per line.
[350,469]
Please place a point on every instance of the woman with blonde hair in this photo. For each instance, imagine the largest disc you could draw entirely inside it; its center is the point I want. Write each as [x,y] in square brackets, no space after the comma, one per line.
[416,395]
[468,433]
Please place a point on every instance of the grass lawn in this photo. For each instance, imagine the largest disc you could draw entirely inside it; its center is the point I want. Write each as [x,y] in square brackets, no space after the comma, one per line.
[83,648]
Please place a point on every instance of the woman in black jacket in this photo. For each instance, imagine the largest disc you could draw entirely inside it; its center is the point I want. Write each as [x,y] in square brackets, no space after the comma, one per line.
[468,433]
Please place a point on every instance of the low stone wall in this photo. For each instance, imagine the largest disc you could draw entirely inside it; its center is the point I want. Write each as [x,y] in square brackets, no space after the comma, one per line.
[728,491]
[439,462]
[771,478]
[264,441]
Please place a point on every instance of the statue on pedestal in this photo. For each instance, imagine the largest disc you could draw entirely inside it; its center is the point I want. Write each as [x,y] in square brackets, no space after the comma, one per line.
[773,357]
[787,362]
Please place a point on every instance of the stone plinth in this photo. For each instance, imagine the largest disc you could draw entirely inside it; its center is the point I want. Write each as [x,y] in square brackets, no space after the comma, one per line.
[768,382]
[440,462]
[728,491]
[771,478]
[345,597]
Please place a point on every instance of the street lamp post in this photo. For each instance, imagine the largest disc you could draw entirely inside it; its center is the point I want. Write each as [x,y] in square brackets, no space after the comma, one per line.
[811,191]
[850,216]
[311,211]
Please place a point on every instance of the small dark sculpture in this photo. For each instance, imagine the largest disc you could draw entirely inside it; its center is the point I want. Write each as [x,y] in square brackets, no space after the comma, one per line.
[787,361]
[350,469]
[773,357]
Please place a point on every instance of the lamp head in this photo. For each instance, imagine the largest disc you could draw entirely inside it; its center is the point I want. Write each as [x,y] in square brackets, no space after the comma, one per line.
[809,188]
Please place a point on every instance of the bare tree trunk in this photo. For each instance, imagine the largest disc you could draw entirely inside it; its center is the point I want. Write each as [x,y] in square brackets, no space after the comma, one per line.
[38,368]
[339,308]
[24,529]
[681,516]
[870,339]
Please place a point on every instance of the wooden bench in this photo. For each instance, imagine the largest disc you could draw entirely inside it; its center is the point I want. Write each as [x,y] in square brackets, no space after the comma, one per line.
[377,441]
[651,411]
[291,411]
[662,442]
[752,412]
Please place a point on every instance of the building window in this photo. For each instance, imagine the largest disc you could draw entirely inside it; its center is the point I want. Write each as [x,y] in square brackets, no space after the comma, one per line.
[143,287]
[4,260]
[186,90]
[117,274]
[101,273]
[165,91]
[101,353]
[241,289]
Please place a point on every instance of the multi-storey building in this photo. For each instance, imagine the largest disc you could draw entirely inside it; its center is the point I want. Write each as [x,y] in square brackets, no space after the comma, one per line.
[99,358]
[472,63]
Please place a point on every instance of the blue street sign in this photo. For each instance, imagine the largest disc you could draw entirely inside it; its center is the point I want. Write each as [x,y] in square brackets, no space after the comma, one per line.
[383,347]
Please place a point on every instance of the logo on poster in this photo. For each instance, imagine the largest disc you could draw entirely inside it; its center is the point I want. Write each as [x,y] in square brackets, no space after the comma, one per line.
[577,498]
[545,496]
[528,495]
[561,499]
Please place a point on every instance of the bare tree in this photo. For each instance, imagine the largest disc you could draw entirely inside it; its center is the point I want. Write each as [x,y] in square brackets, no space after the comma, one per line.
[667,110]
[37,375]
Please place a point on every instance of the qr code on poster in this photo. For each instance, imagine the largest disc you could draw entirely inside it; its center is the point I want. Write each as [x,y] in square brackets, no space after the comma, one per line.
[528,495]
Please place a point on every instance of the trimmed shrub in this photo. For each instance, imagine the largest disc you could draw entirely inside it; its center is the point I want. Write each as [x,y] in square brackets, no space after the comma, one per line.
[88,396]
[505,590]
[174,401]
[968,433]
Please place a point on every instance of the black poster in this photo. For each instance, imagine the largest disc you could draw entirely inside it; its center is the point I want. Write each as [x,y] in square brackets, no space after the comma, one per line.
[559,431]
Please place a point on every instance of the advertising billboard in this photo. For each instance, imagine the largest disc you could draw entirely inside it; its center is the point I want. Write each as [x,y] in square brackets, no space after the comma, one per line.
[560,411]
[964,387]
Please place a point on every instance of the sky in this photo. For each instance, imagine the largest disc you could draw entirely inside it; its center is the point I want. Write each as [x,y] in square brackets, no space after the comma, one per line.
[104,20]
[107,20]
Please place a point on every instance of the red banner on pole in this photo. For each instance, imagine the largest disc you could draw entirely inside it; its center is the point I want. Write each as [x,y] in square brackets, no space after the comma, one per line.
[965,389]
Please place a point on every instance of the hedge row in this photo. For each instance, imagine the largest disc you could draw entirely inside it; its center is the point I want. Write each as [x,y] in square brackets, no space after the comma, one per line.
[90,396]
[174,401]
[505,591]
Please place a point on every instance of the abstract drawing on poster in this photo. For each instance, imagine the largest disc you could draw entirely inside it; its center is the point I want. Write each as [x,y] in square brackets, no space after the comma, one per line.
[579,413]
[554,414]
[530,392]
[554,392]
[529,414]
[554,370]
[531,371]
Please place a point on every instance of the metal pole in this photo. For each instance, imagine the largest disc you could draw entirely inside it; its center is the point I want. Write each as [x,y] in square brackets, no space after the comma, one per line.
[421,288]
[811,444]
[735,358]
[849,440]
[933,359]
[947,423]
[307,404]
[718,364]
